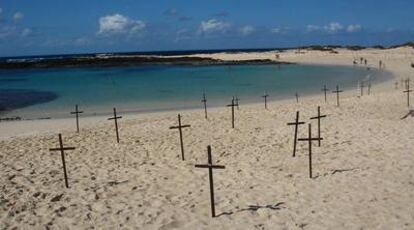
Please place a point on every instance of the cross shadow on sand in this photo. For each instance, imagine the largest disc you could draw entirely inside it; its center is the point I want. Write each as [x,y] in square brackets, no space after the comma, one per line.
[254,208]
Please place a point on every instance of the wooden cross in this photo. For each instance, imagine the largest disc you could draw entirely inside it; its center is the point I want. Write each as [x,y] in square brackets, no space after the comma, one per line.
[210,167]
[77,112]
[296,124]
[62,151]
[361,86]
[265,99]
[297,97]
[325,90]
[205,105]
[309,140]
[115,118]
[179,127]
[319,124]
[232,112]
[337,91]
[408,92]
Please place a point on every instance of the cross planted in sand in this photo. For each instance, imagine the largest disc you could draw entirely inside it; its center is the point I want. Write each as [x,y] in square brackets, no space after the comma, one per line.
[319,124]
[325,90]
[309,140]
[296,124]
[77,112]
[408,90]
[115,118]
[62,151]
[337,91]
[232,111]
[265,99]
[210,167]
[179,127]
[205,105]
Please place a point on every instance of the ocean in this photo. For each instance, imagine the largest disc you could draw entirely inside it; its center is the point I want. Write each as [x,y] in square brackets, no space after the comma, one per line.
[53,93]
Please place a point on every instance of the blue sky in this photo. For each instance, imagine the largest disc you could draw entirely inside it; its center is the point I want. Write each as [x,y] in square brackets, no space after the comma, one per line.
[32,27]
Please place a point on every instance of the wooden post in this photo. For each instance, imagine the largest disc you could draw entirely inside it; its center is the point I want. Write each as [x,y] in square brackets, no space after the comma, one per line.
[115,118]
[309,140]
[325,90]
[319,124]
[296,124]
[265,99]
[232,105]
[408,92]
[62,153]
[205,105]
[180,127]
[210,167]
[337,91]
[77,112]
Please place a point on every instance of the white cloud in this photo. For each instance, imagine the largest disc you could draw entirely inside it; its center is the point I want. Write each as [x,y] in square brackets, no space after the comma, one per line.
[26,32]
[18,16]
[119,24]
[353,28]
[275,30]
[312,28]
[213,25]
[333,27]
[246,30]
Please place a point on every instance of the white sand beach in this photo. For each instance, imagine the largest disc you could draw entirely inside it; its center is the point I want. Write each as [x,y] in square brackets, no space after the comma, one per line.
[363,171]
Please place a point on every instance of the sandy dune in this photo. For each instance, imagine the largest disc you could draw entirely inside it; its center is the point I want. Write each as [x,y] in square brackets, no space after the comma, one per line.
[363,172]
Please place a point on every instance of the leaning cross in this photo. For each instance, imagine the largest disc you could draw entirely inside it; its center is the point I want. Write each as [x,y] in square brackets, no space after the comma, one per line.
[319,123]
[210,167]
[325,90]
[296,124]
[115,118]
[77,112]
[265,99]
[62,151]
[179,127]
[309,140]
[337,91]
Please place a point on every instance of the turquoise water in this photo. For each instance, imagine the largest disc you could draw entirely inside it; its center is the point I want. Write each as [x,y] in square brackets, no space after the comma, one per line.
[153,88]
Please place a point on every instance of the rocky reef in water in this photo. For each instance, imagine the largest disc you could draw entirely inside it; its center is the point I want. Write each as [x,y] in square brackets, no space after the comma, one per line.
[11,99]
[115,61]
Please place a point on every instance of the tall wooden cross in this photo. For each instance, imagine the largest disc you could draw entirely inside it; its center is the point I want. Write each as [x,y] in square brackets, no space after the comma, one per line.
[77,112]
[62,153]
[232,105]
[296,124]
[337,91]
[408,90]
[205,105]
[325,90]
[210,167]
[361,86]
[115,118]
[309,140]
[319,124]
[180,127]
[265,99]
[297,97]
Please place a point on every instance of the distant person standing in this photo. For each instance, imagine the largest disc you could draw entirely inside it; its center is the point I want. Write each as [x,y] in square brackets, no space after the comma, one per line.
[366,61]
[361,60]
[380,64]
